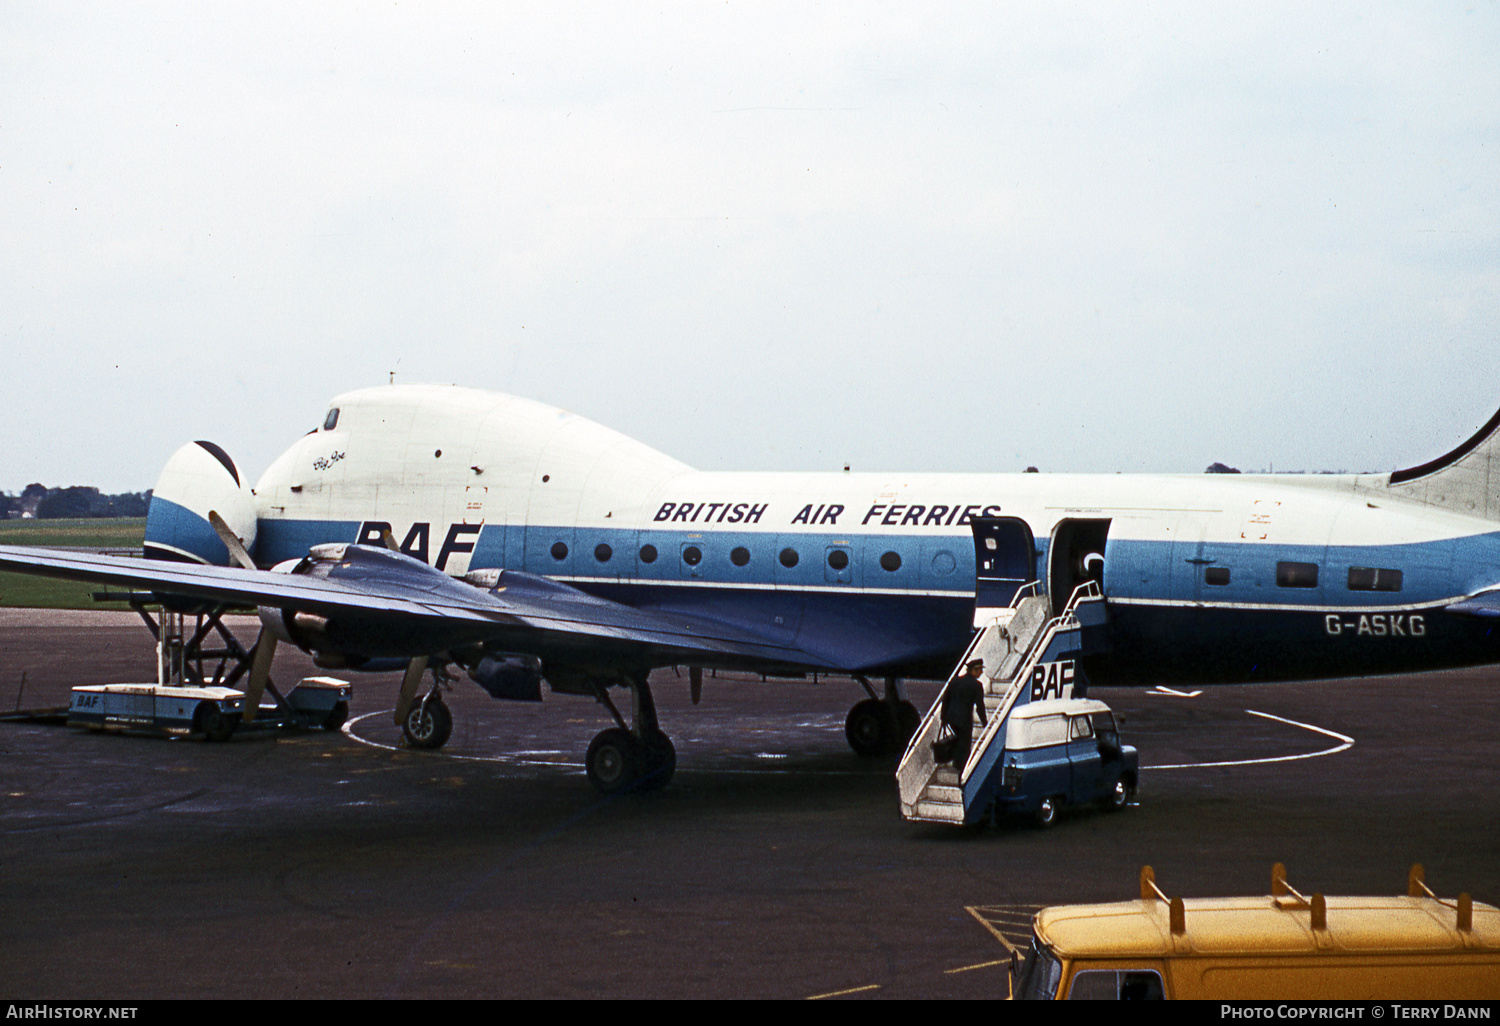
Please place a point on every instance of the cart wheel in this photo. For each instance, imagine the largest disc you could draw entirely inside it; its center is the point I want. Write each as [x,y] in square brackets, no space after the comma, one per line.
[211,721]
[336,716]
[1046,813]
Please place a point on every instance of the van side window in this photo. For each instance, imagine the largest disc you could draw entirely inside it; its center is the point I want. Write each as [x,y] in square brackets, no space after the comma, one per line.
[1365,578]
[1116,985]
[1296,575]
[1080,728]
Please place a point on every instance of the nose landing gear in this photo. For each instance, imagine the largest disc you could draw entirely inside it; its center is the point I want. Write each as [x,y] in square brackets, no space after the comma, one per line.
[426,723]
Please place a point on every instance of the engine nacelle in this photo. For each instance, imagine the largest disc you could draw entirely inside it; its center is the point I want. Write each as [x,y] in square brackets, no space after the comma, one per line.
[507,675]
[199,478]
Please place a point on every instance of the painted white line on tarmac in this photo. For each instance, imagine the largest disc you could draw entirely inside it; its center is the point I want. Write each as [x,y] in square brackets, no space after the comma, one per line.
[1348,742]
[517,760]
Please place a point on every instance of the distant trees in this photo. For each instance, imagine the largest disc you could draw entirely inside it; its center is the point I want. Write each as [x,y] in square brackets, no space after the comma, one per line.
[77,502]
[1219,468]
[66,503]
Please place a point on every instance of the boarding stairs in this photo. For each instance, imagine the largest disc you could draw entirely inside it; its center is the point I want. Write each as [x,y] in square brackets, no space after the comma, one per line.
[1014,643]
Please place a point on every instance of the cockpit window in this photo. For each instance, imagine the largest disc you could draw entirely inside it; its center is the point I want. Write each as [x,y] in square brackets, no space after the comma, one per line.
[331,421]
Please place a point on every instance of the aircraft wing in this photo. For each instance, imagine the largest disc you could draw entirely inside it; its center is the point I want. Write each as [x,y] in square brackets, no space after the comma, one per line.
[1481,603]
[385,604]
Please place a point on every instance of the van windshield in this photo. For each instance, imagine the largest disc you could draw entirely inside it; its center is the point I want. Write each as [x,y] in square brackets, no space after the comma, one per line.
[1039,976]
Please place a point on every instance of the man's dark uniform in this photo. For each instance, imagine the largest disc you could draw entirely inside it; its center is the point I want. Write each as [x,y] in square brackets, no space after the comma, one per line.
[964,697]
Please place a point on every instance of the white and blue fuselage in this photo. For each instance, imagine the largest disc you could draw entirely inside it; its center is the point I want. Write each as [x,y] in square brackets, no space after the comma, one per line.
[1206,577]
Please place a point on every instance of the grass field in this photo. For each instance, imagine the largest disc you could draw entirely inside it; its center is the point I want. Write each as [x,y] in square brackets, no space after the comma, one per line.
[48,593]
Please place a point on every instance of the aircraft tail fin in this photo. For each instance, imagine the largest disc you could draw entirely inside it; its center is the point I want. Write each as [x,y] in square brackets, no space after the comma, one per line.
[1466,480]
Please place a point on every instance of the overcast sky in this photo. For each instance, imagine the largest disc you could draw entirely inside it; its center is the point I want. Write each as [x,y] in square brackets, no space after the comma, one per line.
[905,237]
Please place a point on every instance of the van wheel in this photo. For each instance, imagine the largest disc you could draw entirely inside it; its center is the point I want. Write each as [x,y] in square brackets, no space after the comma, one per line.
[1118,796]
[1046,813]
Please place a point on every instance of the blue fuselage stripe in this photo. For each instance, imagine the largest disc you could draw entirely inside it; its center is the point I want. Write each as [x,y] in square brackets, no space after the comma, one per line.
[914,619]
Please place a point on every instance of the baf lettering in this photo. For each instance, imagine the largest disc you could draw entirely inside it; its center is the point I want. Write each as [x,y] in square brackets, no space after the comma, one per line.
[1052,680]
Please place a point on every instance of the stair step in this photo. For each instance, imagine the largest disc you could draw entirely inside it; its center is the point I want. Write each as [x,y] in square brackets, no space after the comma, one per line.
[949,793]
[942,811]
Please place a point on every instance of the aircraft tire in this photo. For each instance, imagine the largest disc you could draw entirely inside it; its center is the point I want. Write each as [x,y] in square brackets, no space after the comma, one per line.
[870,728]
[1046,813]
[428,725]
[908,720]
[660,762]
[210,719]
[614,760]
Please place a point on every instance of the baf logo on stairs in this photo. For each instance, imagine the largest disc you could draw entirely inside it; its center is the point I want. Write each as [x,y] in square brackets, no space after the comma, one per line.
[1052,680]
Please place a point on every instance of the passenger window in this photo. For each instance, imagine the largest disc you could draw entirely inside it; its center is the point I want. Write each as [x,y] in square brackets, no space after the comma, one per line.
[1116,985]
[788,558]
[1296,575]
[838,559]
[891,561]
[648,553]
[1364,578]
[739,556]
[1216,575]
[603,553]
[692,555]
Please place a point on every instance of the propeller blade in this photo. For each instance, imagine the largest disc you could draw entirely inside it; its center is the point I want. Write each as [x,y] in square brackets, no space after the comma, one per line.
[231,541]
[260,672]
[414,671]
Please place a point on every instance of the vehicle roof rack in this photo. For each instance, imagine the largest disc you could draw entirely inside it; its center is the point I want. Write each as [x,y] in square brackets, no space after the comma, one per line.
[1286,897]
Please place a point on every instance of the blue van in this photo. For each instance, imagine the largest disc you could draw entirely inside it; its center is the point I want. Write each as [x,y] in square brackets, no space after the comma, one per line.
[1064,752]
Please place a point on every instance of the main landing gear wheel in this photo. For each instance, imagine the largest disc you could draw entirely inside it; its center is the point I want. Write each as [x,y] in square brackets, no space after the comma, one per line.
[428,725]
[871,728]
[613,760]
[907,722]
[661,761]
[618,761]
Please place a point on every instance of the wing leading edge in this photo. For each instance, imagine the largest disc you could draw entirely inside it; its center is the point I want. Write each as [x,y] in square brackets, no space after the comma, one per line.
[389,604]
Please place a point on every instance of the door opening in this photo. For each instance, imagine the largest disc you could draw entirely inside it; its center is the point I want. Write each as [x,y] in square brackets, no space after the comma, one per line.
[1075,555]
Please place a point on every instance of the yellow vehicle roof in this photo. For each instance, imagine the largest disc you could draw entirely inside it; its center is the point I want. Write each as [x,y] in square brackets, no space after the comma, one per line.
[1264,926]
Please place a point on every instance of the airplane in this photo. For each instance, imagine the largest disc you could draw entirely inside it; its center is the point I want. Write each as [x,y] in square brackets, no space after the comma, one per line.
[434,526]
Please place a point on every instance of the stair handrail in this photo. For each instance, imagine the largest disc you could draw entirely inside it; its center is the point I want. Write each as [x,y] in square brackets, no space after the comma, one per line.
[1066,620]
[917,765]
